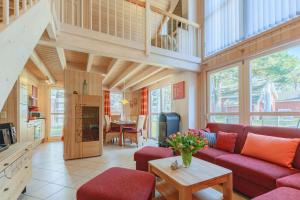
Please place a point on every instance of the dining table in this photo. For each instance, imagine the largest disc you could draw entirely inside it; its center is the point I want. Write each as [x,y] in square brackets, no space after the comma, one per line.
[122,125]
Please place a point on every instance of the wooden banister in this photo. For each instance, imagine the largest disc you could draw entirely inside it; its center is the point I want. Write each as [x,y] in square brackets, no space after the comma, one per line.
[134,21]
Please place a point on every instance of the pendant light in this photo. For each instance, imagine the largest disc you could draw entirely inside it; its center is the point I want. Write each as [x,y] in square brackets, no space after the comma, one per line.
[124,101]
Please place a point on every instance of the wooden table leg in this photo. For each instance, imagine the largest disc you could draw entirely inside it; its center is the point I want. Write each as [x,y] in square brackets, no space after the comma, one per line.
[227,188]
[185,194]
[121,136]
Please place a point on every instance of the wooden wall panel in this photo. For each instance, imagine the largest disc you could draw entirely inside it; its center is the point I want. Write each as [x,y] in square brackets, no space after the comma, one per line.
[287,33]
[74,81]
[9,110]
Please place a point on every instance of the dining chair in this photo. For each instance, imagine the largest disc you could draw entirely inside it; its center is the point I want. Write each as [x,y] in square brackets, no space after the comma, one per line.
[135,133]
[110,134]
[115,117]
[145,129]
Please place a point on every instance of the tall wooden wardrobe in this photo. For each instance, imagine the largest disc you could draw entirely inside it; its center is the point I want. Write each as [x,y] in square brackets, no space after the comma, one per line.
[83,130]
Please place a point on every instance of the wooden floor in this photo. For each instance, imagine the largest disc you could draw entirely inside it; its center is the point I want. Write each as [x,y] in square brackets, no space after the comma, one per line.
[56,179]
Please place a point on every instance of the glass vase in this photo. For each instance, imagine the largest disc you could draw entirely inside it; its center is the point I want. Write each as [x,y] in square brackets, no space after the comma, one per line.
[186,159]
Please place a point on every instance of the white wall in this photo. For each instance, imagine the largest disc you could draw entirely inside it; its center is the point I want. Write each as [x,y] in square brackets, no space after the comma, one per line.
[187,107]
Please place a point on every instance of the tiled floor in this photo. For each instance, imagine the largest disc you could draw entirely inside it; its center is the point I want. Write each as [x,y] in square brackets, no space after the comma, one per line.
[56,179]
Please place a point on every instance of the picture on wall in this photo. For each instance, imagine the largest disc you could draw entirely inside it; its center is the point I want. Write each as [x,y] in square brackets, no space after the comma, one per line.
[179,90]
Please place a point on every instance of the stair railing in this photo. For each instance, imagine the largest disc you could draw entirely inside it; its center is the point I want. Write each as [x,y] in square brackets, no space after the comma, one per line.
[10,10]
[133,21]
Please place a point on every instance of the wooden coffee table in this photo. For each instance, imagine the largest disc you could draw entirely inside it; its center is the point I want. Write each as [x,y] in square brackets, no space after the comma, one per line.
[193,182]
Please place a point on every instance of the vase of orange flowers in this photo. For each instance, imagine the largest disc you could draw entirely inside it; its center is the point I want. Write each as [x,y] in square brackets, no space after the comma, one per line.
[187,144]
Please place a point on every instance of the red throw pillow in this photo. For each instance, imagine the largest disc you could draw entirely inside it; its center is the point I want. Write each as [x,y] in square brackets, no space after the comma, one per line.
[276,150]
[226,141]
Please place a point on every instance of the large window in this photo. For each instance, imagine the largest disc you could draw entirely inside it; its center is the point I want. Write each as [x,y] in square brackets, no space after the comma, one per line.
[230,21]
[224,95]
[116,106]
[57,112]
[268,95]
[275,89]
[160,101]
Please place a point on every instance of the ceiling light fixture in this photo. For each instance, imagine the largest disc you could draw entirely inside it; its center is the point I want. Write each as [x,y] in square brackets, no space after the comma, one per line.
[124,101]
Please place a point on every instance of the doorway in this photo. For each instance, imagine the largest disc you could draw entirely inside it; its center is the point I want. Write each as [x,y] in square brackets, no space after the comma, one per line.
[57,100]
[160,101]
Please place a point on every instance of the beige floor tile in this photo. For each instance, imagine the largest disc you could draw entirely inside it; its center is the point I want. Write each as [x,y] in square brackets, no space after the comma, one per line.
[46,191]
[64,194]
[25,197]
[68,180]
[35,185]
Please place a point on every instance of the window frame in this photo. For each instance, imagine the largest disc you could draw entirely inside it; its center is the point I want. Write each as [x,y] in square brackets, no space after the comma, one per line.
[248,114]
[50,137]
[245,112]
[122,107]
[240,89]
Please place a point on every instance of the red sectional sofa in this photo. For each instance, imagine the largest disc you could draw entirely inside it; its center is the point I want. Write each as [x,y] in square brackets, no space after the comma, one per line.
[252,176]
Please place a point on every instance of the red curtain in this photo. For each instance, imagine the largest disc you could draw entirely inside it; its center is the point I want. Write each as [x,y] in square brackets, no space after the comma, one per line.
[144,101]
[106,103]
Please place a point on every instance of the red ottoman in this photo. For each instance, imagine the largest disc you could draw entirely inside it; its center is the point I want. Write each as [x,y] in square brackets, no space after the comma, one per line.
[145,154]
[282,193]
[118,184]
[292,181]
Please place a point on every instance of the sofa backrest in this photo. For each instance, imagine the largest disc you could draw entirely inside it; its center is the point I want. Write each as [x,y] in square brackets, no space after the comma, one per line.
[276,132]
[232,128]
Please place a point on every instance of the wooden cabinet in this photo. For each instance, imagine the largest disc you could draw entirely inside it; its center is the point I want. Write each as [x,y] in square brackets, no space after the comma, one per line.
[82,130]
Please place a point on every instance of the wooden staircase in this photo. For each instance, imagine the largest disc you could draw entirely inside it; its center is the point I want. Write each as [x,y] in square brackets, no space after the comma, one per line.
[19,34]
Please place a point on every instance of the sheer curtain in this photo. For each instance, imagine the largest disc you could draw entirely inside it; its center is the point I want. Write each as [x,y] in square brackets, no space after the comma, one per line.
[230,21]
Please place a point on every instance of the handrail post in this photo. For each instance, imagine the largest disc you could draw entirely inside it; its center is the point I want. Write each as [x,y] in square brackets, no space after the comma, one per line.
[17,8]
[6,12]
[24,5]
[148,27]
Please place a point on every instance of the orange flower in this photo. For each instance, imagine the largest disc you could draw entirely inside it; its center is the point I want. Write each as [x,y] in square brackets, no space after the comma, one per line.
[192,147]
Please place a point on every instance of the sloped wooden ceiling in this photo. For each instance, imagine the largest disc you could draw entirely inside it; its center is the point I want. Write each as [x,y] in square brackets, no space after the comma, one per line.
[50,58]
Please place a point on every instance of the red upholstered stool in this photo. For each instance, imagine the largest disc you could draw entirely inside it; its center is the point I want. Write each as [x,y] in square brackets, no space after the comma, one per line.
[292,181]
[282,193]
[118,184]
[145,154]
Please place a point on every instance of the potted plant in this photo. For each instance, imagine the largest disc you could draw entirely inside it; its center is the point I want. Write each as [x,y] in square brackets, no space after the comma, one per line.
[187,144]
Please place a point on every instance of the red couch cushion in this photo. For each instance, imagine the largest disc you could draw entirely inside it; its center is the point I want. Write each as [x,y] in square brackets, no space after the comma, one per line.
[292,181]
[276,132]
[147,153]
[210,154]
[283,193]
[236,128]
[226,141]
[257,171]
[118,182]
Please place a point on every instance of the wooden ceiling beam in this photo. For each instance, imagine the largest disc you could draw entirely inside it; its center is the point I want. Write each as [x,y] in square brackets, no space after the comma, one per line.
[51,30]
[166,73]
[110,68]
[147,73]
[90,62]
[129,71]
[42,67]
[62,57]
